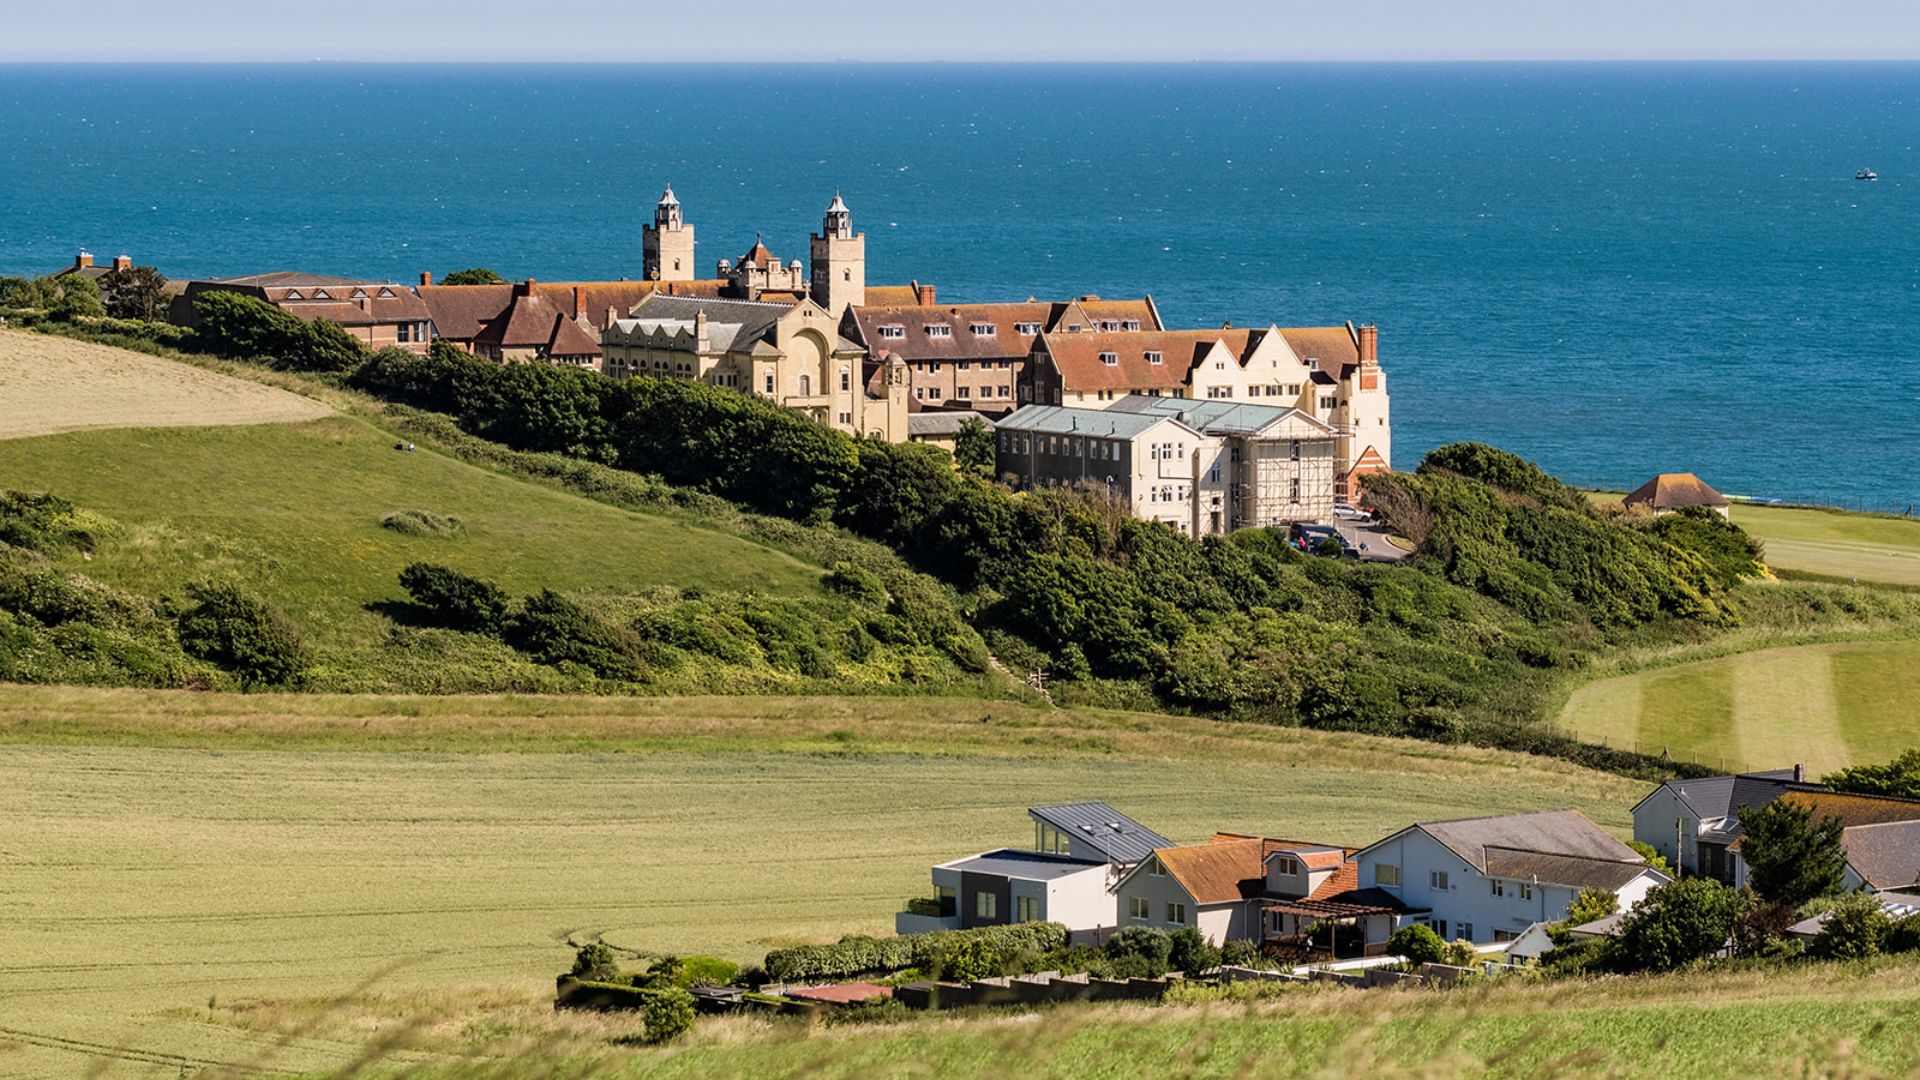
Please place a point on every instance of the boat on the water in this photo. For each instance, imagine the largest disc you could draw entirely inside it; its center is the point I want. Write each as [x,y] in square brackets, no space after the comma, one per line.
[1866,174]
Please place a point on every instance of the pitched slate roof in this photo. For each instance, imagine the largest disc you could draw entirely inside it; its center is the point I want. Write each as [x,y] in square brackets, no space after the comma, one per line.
[1886,855]
[943,423]
[1101,827]
[732,325]
[1569,870]
[1549,832]
[1719,796]
[1671,491]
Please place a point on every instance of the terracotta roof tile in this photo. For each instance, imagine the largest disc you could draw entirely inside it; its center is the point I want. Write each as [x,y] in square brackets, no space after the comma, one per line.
[1671,491]
[1218,871]
[460,312]
[1078,356]
[1855,810]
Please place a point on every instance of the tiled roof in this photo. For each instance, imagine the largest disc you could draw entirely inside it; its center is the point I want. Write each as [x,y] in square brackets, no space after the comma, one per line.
[1856,809]
[943,423]
[1078,356]
[1719,796]
[1103,828]
[1553,832]
[1670,491]
[537,322]
[460,312]
[1886,855]
[892,296]
[1333,346]
[289,278]
[843,994]
[1346,878]
[1122,311]
[915,344]
[759,256]
[1220,870]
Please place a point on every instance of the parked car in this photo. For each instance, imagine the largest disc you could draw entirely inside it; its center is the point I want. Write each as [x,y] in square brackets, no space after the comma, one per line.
[1350,512]
[1312,539]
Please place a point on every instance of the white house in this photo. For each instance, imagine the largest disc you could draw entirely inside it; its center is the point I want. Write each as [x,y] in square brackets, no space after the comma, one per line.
[1488,879]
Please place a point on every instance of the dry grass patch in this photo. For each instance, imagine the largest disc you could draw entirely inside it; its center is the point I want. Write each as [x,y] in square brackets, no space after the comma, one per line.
[51,384]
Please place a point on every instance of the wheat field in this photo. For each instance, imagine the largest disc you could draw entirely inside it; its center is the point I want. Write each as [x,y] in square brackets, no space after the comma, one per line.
[51,384]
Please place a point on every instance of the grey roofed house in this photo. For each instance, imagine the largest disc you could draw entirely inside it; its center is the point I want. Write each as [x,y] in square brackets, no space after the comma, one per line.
[1571,870]
[1102,828]
[1214,417]
[1886,855]
[925,424]
[1896,905]
[732,325]
[1058,420]
[1510,839]
[1715,799]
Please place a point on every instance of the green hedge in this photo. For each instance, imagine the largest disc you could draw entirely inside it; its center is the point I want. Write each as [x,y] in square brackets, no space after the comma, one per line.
[857,955]
[573,993]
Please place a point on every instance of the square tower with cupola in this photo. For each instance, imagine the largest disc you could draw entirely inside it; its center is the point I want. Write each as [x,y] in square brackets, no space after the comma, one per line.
[839,257]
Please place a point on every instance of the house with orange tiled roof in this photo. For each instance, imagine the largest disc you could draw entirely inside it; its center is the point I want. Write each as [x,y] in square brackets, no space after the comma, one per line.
[1236,887]
[378,314]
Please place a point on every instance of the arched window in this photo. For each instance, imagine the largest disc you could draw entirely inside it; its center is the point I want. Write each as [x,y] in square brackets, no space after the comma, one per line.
[806,386]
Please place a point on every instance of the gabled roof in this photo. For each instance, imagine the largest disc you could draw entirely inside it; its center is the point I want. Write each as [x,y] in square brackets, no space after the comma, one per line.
[1217,416]
[460,312]
[1333,346]
[732,325]
[1719,796]
[534,322]
[1078,356]
[1101,827]
[1886,855]
[1546,832]
[1099,423]
[1220,871]
[1570,870]
[961,343]
[1671,491]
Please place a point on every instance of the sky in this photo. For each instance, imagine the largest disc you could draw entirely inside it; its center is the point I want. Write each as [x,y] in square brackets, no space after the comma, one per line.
[980,30]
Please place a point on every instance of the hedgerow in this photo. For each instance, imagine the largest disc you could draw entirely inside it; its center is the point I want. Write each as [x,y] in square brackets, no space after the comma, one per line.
[860,955]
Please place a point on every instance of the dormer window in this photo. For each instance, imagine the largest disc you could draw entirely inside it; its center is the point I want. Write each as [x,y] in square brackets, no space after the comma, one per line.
[984,329]
[939,330]
[386,294]
[358,294]
[1154,356]
[893,333]
[1109,325]
[1027,329]
[1133,324]
[1313,363]
[294,294]
[1286,864]
[1110,359]
[321,294]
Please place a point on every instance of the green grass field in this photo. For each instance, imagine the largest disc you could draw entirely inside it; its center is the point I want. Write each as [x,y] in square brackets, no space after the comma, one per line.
[1825,706]
[295,509]
[277,848]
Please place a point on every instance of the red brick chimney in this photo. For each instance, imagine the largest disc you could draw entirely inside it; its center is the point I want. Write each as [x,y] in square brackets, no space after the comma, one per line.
[83,260]
[123,262]
[526,288]
[579,301]
[1369,346]
[426,277]
[923,294]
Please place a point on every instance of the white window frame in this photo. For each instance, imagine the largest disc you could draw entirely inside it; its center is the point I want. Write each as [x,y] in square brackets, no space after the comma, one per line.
[1138,907]
[1438,881]
[1176,913]
[1386,874]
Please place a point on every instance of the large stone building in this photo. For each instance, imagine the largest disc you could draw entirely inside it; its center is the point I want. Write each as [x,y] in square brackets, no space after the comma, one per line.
[379,314]
[1202,467]
[973,356]
[791,353]
[1329,373]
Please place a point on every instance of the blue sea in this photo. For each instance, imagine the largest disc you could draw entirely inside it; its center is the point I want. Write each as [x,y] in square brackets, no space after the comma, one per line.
[1613,269]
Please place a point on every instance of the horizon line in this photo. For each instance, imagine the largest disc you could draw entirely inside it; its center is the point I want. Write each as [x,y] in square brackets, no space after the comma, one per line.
[208,61]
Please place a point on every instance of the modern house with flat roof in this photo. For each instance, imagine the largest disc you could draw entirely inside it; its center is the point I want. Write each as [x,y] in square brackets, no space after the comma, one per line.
[1079,851]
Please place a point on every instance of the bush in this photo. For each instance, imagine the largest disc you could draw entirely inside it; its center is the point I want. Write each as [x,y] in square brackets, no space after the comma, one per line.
[1857,927]
[1792,857]
[963,959]
[1190,952]
[669,1014]
[1241,954]
[422,523]
[555,630]
[595,962]
[706,971]
[48,524]
[879,1010]
[242,327]
[1899,778]
[860,955]
[1418,943]
[1677,923]
[1459,954]
[859,584]
[1591,905]
[1143,950]
[242,633]
[455,600]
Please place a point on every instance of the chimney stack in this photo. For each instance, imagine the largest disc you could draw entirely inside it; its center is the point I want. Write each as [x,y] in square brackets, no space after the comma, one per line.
[923,294]
[579,302]
[83,260]
[526,288]
[1369,345]
[426,277]
[1799,773]
[123,262]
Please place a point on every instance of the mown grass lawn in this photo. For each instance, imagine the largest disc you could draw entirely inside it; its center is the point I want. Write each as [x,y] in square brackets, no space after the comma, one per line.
[1825,706]
[294,847]
[1874,548]
[295,510]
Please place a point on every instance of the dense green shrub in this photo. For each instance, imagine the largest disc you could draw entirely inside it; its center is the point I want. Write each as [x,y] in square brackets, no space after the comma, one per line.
[1903,936]
[1140,952]
[1856,927]
[1190,952]
[48,524]
[1899,778]
[243,327]
[963,959]
[595,962]
[1792,856]
[422,523]
[856,583]
[555,630]
[1240,953]
[1418,943]
[860,955]
[1677,923]
[454,600]
[242,633]
[668,1013]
